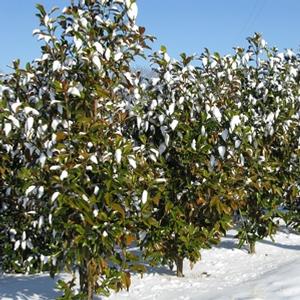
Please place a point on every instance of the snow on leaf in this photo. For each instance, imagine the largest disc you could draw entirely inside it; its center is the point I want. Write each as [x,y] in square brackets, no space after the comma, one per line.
[193,145]
[155,152]
[161,180]
[153,104]
[263,43]
[237,143]
[132,10]
[161,119]
[29,124]
[29,190]
[138,122]
[107,54]
[12,231]
[235,121]
[17,245]
[56,66]
[27,110]
[41,222]
[144,196]
[167,57]
[45,37]
[155,80]
[212,161]
[95,212]
[250,139]
[97,62]
[85,198]
[222,150]
[225,134]
[167,76]
[46,20]
[242,160]
[42,160]
[64,174]
[74,91]
[45,56]
[204,61]
[118,155]
[84,22]
[7,128]
[54,196]
[293,72]
[128,76]
[36,31]
[132,161]
[78,42]
[94,159]
[153,157]
[23,245]
[217,114]
[162,148]
[260,86]
[54,124]
[15,106]
[14,121]
[167,139]
[290,53]
[96,190]
[174,124]
[270,117]
[41,191]
[171,109]
[181,100]
[44,259]
[29,244]
[55,167]
[118,56]
[213,64]
[99,48]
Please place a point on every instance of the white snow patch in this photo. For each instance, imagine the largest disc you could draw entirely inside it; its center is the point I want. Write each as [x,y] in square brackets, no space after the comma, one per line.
[224,272]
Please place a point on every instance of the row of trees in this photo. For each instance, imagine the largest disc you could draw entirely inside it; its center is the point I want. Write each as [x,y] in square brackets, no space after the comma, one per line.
[96,158]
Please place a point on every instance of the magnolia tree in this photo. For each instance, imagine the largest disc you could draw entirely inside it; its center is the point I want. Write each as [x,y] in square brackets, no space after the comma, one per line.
[69,173]
[182,122]
[96,158]
[24,207]
[269,137]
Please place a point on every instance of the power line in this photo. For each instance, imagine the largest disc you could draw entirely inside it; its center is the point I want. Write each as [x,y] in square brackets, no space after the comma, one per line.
[254,15]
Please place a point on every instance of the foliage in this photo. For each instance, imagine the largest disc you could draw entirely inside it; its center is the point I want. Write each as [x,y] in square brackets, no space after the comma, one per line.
[96,157]
[180,126]
[70,172]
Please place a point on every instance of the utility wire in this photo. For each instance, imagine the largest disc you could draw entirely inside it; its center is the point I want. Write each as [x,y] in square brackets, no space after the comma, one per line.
[254,15]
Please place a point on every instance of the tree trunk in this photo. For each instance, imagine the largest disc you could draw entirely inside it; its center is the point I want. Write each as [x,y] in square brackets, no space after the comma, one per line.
[179,265]
[83,280]
[86,281]
[90,291]
[90,279]
[252,247]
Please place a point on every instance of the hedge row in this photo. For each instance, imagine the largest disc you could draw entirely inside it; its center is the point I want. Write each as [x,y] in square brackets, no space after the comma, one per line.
[97,158]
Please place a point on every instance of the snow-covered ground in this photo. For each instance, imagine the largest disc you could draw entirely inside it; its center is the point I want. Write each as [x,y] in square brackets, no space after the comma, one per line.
[224,272]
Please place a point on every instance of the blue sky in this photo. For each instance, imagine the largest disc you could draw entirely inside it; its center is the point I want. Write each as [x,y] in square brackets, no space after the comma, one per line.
[182,26]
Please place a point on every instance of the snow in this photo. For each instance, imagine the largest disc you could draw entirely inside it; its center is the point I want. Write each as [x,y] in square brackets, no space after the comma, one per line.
[224,272]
